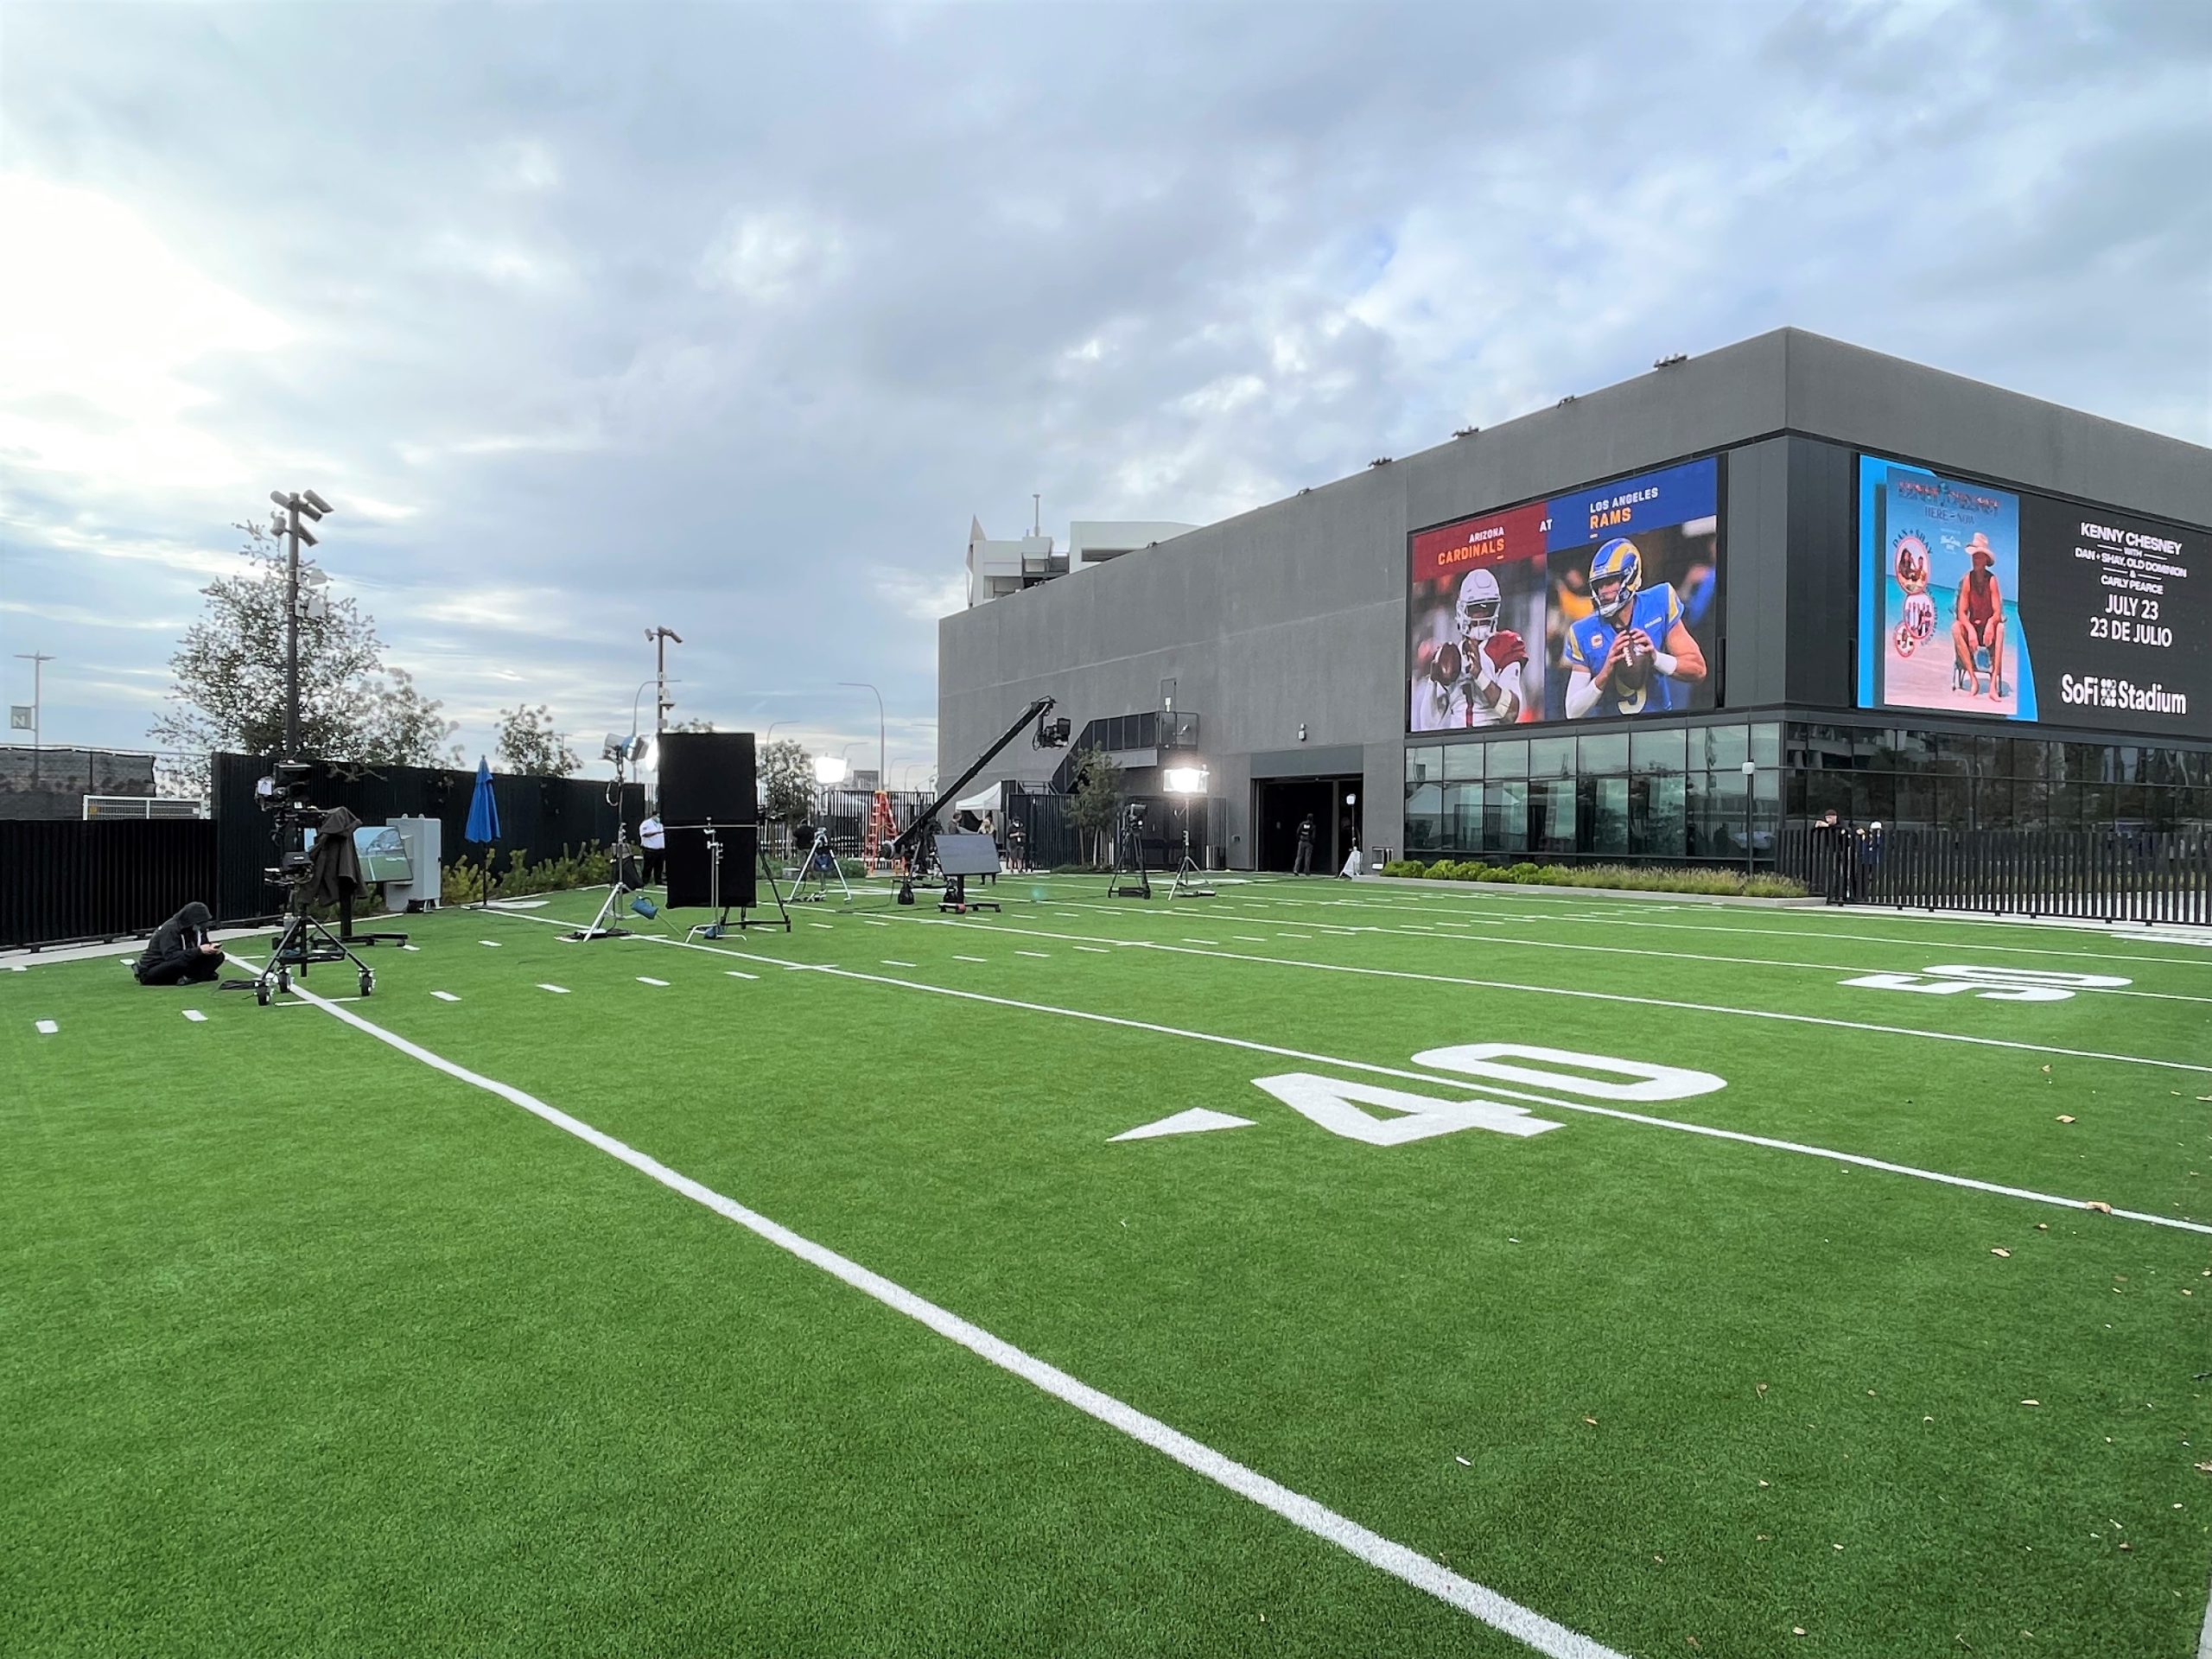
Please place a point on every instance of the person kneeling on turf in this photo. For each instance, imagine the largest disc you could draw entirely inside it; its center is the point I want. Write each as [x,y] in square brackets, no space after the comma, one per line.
[182,951]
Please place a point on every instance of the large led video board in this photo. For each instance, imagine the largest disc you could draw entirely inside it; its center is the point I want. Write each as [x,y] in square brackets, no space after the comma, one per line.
[1978,600]
[1596,604]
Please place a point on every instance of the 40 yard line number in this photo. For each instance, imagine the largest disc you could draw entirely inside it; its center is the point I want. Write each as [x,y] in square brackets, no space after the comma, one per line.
[1378,1116]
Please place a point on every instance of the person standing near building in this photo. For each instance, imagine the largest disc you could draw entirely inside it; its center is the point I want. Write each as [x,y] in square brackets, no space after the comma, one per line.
[652,840]
[1303,863]
[1017,848]
[1831,848]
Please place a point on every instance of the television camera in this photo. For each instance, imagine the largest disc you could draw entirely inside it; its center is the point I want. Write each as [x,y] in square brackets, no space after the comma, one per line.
[283,795]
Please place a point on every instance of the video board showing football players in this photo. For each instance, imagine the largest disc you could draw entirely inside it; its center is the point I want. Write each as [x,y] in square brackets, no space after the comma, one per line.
[1595,605]
[1958,578]
[1475,622]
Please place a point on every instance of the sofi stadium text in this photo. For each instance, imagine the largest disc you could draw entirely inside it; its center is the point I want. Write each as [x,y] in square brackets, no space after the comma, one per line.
[2100,692]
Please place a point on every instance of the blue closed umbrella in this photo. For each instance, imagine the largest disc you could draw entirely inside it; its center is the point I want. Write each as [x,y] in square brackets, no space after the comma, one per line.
[484,820]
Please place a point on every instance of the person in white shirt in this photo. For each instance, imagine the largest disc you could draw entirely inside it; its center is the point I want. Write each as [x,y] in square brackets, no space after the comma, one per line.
[654,840]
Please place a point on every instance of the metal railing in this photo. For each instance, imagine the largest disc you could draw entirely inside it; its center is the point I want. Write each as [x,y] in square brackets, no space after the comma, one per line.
[2112,875]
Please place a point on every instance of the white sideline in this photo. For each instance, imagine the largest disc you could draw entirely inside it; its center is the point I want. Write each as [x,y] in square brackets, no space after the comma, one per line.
[1407,1566]
[1819,933]
[1710,1131]
[1510,942]
[1587,995]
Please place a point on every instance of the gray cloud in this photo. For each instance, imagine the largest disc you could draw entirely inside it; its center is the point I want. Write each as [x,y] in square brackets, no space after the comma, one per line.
[729,318]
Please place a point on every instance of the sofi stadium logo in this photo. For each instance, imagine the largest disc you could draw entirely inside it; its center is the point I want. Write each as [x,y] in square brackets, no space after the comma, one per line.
[2099,691]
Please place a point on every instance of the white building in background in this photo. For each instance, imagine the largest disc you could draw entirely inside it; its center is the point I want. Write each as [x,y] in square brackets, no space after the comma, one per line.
[996,568]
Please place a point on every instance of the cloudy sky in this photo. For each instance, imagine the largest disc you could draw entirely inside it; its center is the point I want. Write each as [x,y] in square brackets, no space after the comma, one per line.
[591,318]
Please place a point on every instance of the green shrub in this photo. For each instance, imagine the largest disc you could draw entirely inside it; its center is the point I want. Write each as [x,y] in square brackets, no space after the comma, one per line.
[588,867]
[1614,877]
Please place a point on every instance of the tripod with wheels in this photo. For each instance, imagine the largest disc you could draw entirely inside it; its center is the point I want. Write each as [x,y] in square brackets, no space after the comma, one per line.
[304,940]
[1129,861]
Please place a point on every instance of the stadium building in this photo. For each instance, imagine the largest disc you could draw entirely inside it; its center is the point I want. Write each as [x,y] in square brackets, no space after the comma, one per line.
[1657,622]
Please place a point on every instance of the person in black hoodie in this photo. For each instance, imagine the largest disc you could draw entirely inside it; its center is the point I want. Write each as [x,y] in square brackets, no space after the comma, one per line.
[182,951]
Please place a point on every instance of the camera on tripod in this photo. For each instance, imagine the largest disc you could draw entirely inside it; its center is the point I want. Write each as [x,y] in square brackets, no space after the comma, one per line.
[283,795]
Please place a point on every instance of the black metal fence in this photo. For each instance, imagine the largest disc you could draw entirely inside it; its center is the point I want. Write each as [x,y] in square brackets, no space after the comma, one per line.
[73,879]
[2108,875]
[539,818]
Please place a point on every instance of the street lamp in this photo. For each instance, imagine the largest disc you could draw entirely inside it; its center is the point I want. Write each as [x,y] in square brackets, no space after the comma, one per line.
[862,686]
[38,660]
[1751,771]
[659,639]
[293,505]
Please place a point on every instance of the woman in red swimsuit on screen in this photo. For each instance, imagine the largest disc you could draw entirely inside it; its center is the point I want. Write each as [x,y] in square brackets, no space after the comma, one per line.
[1979,618]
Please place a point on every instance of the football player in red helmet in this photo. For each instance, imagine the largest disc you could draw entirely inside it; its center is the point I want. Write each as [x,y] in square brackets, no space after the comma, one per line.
[1473,679]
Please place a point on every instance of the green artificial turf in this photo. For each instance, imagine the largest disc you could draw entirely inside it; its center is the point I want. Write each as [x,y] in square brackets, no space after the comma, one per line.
[316,1349]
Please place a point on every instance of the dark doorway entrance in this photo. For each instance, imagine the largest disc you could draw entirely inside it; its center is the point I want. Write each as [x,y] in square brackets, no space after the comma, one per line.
[1280,803]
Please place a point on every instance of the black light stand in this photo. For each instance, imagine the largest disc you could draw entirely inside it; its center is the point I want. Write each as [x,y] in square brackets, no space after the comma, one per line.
[618,887]
[1190,881]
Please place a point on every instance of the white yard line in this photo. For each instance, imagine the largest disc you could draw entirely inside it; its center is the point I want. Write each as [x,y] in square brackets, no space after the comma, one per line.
[642,979]
[557,990]
[1711,1132]
[734,973]
[445,996]
[1041,956]
[890,962]
[1818,932]
[195,1016]
[1576,993]
[1504,941]
[494,943]
[1407,1566]
[971,958]
[48,1028]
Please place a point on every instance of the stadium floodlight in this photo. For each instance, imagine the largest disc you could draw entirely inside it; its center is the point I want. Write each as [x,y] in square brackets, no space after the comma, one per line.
[1184,780]
[829,770]
[294,505]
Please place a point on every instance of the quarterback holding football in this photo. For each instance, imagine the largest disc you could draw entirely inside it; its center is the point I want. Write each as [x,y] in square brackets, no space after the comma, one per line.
[1473,676]
[1634,651]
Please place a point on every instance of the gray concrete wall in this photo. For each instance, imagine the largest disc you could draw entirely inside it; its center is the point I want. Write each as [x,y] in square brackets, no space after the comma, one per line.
[1294,613]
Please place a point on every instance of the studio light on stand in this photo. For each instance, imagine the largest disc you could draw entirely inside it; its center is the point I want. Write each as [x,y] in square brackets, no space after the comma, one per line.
[818,863]
[627,753]
[1183,785]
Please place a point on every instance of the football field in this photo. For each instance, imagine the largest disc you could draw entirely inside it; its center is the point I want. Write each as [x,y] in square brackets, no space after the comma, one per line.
[1314,1269]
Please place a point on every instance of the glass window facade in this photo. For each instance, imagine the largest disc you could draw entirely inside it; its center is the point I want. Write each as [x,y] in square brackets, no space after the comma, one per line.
[1683,792]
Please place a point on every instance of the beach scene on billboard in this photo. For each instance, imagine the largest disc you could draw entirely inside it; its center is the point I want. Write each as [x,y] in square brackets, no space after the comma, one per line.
[1593,605]
[1946,558]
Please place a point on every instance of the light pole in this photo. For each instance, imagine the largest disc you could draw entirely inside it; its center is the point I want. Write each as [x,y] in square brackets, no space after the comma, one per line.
[862,686]
[293,505]
[38,660]
[1750,773]
[660,637]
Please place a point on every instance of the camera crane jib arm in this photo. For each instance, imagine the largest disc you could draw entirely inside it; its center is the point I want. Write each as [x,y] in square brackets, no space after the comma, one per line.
[908,841]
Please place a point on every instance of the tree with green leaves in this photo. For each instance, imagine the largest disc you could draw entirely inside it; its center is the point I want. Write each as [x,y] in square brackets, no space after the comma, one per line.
[786,782]
[1096,798]
[527,743]
[229,669]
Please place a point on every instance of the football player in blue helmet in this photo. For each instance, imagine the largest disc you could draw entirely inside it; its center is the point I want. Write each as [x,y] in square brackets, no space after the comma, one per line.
[1634,651]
